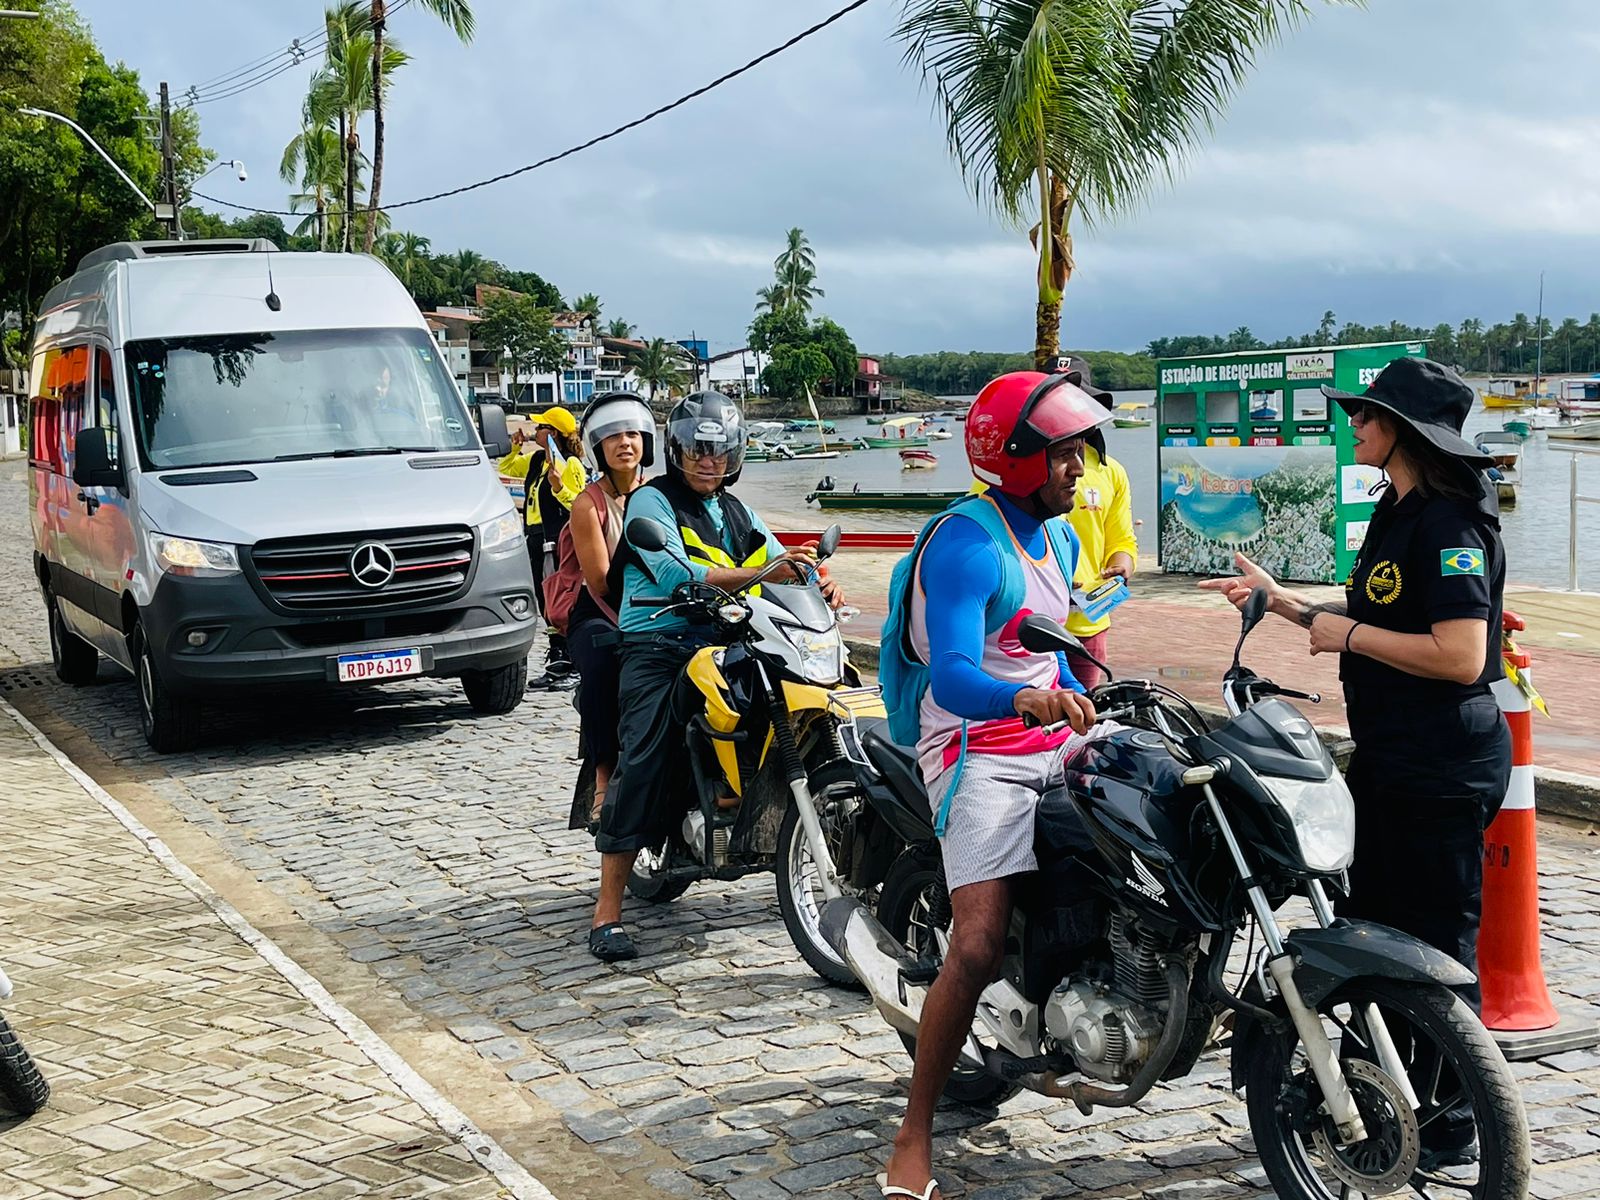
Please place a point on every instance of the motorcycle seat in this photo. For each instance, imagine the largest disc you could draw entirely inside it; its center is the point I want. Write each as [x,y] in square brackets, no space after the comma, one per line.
[900,772]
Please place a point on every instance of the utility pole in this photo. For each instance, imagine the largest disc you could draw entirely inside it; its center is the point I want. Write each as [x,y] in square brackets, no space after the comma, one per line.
[169,168]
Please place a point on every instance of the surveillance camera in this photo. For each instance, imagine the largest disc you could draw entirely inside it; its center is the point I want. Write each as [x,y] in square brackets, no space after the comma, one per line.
[243,174]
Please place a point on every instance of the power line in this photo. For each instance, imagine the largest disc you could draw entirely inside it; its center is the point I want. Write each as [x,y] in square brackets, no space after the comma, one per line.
[594,141]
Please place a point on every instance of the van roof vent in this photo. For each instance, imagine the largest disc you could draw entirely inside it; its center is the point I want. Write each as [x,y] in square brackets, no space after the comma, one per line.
[122,251]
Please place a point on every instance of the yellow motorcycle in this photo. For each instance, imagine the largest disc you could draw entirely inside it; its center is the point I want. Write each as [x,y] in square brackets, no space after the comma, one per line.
[773,712]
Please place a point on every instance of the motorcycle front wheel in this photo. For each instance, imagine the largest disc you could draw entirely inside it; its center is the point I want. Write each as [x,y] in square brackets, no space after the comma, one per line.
[1467,1138]
[915,909]
[800,897]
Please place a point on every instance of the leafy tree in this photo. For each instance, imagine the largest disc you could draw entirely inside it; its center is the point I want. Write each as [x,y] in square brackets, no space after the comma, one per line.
[523,331]
[618,328]
[455,13]
[793,369]
[843,360]
[58,198]
[1057,109]
[770,298]
[772,329]
[660,364]
[534,285]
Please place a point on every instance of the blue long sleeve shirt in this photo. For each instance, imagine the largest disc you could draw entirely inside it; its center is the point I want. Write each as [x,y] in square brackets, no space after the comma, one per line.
[960,572]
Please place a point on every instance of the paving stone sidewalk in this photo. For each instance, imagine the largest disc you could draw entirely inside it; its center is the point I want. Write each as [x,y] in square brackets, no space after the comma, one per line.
[182,1064]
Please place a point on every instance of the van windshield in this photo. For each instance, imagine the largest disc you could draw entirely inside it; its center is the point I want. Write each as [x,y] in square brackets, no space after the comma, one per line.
[258,397]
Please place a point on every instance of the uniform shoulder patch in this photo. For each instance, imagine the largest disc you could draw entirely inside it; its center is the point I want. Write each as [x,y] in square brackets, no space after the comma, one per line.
[1463,560]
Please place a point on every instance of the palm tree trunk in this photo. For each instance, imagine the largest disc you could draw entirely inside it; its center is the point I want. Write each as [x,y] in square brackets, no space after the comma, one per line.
[1046,335]
[350,190]
[322,220]
[378,15]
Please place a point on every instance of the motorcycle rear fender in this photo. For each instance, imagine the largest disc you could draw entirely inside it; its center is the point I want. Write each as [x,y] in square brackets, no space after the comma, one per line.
[1346,950]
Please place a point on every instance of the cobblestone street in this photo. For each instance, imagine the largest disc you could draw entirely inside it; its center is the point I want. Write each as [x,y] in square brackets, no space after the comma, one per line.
[416,860]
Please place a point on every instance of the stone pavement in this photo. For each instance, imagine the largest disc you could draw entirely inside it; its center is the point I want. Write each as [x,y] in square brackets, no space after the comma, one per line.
[426,850]
[182,1064]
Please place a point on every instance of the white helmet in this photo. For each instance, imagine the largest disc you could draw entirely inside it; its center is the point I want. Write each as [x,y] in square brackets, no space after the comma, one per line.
[618,412]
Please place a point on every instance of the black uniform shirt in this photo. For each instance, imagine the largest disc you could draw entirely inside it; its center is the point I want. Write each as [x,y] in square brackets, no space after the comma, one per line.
[1425,559]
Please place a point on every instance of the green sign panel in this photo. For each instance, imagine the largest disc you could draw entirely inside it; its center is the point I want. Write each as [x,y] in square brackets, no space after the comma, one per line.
[1254,458]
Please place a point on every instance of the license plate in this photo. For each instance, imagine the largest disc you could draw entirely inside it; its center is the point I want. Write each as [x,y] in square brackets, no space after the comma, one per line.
[380,664]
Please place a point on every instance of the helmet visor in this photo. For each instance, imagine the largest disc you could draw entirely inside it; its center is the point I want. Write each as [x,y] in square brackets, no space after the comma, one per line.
[708,445]
[1056,410]
[617,416]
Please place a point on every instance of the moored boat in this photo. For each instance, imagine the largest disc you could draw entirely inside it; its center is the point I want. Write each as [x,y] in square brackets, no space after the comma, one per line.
[903,501]
[901,433]
[918,460]
[1502,445]
[1132,420]
[1577,431]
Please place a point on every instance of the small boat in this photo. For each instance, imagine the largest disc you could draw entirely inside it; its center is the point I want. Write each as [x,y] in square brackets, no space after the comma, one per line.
[904,501]
[1576,431]
[1504,447]
[941,434]
[900,434]
[1132,420]
[1519,427]
[1508,393]
[786,453]
[918,460]
[803,426]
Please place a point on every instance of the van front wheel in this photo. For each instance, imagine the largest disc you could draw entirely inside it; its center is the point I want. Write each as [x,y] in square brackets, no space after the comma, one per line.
[496,691]
[170,723]
[76,661]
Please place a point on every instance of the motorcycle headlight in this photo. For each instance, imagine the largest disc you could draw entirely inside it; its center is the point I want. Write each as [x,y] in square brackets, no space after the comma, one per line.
[821,654]
[500,532]
[188,556]
[1324,816]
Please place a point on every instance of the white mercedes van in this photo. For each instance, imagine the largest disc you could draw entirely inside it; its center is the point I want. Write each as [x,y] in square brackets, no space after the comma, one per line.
[251,468]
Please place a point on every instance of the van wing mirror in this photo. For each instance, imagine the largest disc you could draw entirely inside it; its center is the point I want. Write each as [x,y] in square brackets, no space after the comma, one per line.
[91,460]
[492,428]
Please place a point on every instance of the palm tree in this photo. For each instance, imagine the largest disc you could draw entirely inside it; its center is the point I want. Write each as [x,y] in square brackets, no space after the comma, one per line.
[1326,327]
[618,328]
[455,13]
[797,283]
[796,251]
[587,306]
[659,365]
[1055,109]
[770,299]
[412,253]
[311,161]
[348,91]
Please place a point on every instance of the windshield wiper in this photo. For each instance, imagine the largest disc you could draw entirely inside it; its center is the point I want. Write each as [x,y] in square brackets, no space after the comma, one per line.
[355,452]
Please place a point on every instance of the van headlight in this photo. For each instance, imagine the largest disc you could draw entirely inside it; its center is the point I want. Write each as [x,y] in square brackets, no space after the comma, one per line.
[193,558]
[1324,817]
[821,654]
[498,533]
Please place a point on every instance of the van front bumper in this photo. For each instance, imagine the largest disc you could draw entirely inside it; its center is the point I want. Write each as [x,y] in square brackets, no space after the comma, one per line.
[242,642]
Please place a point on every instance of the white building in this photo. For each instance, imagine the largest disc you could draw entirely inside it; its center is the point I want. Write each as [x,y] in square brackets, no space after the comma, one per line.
[735,372]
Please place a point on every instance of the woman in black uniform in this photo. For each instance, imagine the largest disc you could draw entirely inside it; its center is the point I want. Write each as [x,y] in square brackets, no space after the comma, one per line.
[1418,638]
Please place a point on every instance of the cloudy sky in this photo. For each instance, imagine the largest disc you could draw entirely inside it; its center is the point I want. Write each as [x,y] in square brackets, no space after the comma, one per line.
[1422,160]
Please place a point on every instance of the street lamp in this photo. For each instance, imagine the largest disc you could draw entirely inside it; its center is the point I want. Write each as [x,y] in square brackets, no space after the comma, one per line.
[22,14]
[163,212]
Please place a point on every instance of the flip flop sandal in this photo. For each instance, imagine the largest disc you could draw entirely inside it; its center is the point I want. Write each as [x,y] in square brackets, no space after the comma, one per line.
[890,1192]
[611,943]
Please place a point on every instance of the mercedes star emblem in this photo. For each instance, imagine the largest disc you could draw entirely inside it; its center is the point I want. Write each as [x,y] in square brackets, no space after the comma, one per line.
[372,564]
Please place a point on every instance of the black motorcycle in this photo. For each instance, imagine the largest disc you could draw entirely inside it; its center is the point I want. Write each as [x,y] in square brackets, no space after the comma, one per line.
[1172,842]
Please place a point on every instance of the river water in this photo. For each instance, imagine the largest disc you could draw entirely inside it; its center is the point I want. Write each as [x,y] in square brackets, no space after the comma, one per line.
[1535,530]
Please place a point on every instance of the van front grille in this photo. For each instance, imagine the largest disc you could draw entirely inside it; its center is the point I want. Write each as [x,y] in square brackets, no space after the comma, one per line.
[346,572]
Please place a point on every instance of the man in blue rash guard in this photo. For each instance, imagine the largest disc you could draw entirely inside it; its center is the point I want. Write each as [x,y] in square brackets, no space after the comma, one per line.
[985,769]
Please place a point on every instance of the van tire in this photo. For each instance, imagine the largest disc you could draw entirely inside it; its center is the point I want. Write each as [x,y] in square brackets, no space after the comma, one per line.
[76,661]
[170,723]
[496,691]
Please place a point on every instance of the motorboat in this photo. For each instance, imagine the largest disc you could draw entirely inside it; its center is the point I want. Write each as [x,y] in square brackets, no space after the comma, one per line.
[918,460]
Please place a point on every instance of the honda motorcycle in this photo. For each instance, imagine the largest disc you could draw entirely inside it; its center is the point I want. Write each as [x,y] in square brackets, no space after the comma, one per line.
[771,711]
[1363,1072]
[23,1090]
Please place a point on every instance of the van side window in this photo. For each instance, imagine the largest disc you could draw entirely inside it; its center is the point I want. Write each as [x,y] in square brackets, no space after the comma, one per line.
[105,414]
[56,410]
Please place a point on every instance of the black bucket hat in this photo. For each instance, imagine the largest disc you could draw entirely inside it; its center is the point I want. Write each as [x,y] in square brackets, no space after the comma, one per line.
[1429,397]
[1077,372]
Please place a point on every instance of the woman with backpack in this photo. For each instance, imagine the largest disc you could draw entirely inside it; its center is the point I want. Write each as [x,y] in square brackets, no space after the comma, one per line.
[619,433]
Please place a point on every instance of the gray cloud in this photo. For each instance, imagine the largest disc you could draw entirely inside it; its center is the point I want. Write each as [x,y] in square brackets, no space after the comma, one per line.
[1419,160]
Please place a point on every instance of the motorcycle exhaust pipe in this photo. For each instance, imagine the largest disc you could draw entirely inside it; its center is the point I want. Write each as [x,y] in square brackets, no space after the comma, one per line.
[875,958]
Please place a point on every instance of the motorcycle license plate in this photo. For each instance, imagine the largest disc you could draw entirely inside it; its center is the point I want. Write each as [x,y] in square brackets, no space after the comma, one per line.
[379,664]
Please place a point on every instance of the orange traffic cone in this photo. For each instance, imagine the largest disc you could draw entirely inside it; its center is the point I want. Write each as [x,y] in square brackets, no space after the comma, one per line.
[1517,1008]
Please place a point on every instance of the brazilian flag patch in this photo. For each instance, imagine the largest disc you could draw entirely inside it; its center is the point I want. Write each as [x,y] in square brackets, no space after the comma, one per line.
[1461,561]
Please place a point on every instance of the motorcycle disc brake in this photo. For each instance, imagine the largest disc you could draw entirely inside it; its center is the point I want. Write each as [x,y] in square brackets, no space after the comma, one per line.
[1384,1161]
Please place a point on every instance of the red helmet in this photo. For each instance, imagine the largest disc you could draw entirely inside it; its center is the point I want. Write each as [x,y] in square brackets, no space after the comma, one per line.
[1013,422]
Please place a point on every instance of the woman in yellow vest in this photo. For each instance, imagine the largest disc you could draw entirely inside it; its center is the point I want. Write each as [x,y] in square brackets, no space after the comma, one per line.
[550,459]
[1102,517]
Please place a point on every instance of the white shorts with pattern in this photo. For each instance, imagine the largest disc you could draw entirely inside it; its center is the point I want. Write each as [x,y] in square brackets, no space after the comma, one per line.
[989,831]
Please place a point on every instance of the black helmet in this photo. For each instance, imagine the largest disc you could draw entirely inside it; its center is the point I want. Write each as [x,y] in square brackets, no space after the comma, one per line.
[705,423]
[618,412]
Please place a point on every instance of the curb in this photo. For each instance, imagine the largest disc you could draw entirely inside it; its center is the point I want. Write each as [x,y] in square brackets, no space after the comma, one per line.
[1560,793]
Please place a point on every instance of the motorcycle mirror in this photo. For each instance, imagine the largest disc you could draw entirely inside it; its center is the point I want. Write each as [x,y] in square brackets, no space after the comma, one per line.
[829,544]
[1040,635]
[646,533]
[1250,614]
